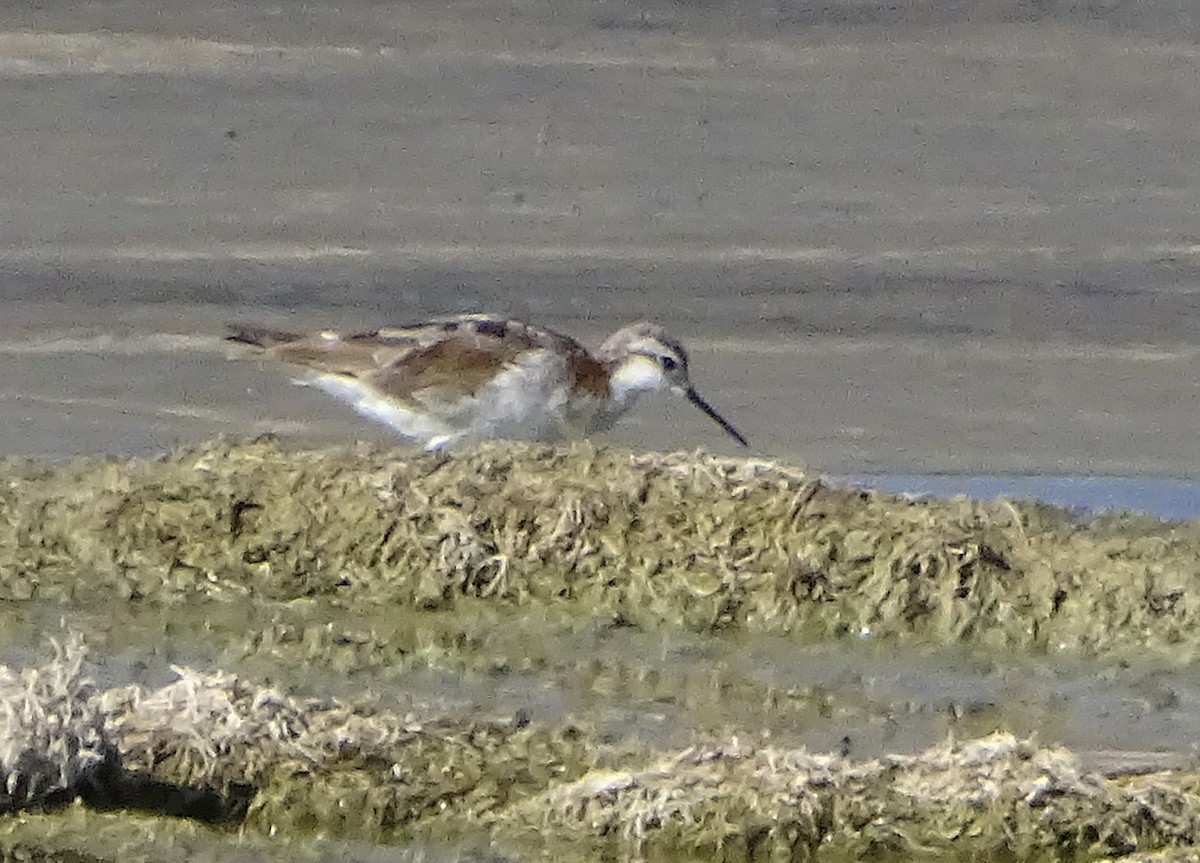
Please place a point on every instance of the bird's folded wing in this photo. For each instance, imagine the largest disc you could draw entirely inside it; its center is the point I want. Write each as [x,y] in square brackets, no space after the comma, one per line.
[444,370]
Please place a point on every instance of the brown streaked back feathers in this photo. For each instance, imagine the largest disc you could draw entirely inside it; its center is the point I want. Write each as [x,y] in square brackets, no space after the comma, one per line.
[459,354]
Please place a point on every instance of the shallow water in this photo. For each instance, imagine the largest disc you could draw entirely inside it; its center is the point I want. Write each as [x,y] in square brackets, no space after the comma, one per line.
[1173,499]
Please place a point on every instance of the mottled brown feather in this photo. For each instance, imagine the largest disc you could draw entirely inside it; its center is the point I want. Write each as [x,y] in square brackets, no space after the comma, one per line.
[338,357]
[591,376]
[454,354]
[448,365]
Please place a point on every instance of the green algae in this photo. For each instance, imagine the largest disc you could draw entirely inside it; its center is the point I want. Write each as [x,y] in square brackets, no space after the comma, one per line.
[337,571]
[993,798]
[82,834]
[325,768]
[689,542]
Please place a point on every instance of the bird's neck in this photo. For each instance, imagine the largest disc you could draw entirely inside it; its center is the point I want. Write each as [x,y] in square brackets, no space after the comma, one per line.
[628,378]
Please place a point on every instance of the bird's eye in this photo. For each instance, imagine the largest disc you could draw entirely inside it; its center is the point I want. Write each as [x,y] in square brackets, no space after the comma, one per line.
[669,364]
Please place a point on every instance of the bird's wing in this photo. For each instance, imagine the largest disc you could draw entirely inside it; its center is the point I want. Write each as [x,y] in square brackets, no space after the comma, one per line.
[445,370]
[443,358]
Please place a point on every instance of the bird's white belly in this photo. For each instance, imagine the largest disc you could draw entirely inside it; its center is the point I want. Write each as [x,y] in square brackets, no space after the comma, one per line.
[399,416]
[527,400]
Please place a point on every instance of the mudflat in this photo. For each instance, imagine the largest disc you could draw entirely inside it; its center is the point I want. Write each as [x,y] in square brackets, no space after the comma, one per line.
[962,238]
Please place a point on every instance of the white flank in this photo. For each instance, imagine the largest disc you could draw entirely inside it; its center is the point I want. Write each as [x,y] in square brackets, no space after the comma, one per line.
[416,426]
[528,399]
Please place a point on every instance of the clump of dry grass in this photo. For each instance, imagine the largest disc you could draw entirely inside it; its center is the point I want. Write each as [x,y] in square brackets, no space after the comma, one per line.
[333,768]
[52,735]
[672,542]
[687,541]
[992,797]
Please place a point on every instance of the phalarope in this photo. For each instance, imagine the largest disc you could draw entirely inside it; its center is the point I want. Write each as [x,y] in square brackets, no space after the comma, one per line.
[476,377]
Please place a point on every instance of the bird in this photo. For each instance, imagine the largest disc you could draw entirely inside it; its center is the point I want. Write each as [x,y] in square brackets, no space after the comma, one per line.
[470,378]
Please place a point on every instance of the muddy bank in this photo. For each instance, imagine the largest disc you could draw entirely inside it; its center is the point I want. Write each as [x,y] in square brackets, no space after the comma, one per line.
[683,541]
[323,576]
[224,754]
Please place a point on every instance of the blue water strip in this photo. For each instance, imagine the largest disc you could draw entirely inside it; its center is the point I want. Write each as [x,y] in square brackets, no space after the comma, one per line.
[1167,498]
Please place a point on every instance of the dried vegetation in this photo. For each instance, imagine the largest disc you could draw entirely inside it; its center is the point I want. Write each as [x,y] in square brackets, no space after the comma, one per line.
[684,541]
[659,542]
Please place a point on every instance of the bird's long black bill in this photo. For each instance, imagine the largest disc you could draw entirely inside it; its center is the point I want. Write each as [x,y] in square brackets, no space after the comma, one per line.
[694,398]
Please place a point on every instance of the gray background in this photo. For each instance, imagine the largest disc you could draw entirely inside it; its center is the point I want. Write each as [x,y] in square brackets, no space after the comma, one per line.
[917,237]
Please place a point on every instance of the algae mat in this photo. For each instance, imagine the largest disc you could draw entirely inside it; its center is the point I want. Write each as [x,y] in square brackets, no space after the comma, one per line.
[215,751]
[364,563]
[689,541]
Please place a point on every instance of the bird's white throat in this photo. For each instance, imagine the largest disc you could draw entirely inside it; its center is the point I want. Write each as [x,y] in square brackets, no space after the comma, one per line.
[636,374]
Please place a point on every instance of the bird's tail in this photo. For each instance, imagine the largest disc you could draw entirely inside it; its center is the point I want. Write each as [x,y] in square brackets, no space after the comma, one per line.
[263,338]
